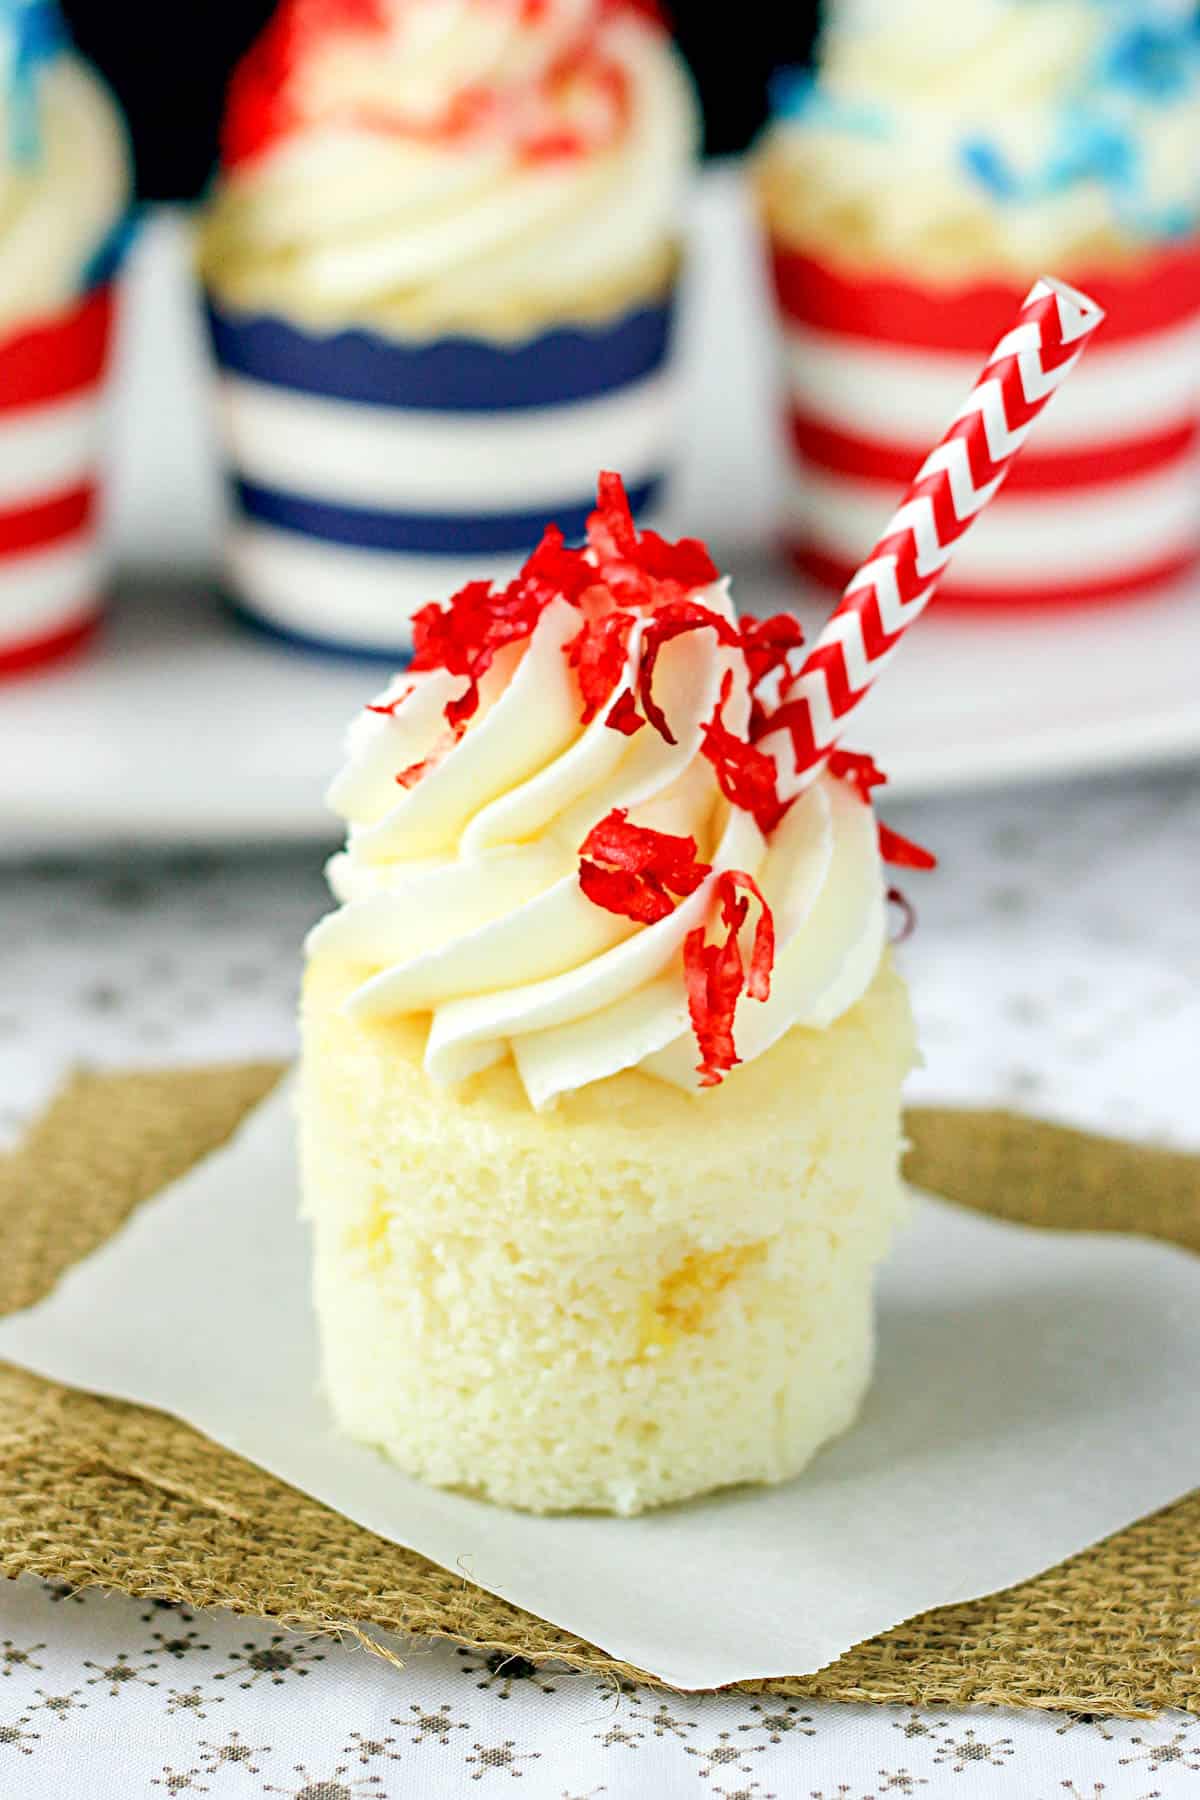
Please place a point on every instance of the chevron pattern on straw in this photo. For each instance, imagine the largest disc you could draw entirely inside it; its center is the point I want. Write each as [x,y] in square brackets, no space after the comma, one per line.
[951,488]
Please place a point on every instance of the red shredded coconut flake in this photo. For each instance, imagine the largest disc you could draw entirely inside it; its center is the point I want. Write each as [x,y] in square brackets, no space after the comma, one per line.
[767,643]
[669,622]
[685,562]
[716,975]
[625,572]
[620,569]
[389,708]
[745,775]
[632,568]
[260,108]
[611,531]
[464,635]
[766,646]
[623,715]
[638,873]
[598,654]
[553,569]
[640,567]
[269,98]
[409,777]
[863,773]
[905,916]
[902,852]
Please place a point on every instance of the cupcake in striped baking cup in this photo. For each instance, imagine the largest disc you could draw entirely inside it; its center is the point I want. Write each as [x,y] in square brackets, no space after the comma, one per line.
[440,260]
[940,158]
[66,185]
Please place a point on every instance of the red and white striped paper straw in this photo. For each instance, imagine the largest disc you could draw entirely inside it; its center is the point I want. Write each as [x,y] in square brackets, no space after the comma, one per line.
[955,482]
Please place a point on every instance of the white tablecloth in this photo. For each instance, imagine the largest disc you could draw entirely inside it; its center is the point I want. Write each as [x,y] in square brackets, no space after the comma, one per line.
[110,1698]
[1055,969]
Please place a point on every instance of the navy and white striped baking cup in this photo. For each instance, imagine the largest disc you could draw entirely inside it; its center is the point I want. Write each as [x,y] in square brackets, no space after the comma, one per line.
[370,475]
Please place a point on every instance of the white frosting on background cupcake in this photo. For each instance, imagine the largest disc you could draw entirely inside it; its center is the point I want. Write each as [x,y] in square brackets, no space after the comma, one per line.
[65,174]
[453,164]
[1010,132]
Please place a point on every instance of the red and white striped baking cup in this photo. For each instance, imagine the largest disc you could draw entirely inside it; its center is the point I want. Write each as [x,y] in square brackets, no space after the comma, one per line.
[1105,502]
[51,574]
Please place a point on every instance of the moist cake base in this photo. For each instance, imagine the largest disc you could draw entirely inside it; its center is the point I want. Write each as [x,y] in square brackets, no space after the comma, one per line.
[635,1298]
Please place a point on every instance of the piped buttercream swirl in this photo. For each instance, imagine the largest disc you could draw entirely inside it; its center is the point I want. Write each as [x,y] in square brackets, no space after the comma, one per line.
[65,173]
[459,886]
[452,164]
[997,132]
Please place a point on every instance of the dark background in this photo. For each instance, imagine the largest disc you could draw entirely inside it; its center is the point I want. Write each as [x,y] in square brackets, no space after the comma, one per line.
[169,62]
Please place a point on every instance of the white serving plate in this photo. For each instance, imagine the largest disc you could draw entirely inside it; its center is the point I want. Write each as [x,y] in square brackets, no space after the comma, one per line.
[185,728]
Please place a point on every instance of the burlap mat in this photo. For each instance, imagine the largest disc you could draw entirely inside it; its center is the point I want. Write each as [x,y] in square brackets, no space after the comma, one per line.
[96,1492]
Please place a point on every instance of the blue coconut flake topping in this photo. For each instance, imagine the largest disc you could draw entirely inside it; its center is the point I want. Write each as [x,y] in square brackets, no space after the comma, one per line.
[1149,58]
[1153,61]
[32,35]
[1094,138]
[987,164]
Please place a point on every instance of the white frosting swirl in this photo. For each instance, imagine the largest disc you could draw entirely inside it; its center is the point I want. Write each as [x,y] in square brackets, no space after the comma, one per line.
[366,211]
[59,203]
[992,130]
[461,895]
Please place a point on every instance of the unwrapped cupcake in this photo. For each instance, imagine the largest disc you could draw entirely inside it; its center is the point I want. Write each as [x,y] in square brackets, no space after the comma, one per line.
[66,185]
[940,159]
[602,1048]
[441,258]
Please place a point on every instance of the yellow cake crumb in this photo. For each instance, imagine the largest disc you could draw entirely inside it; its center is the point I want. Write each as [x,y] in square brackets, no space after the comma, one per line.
[685,1299]
[637,1297]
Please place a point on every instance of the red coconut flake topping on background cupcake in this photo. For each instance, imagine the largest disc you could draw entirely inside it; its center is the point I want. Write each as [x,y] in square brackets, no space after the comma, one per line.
[575,101]
[620,579]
